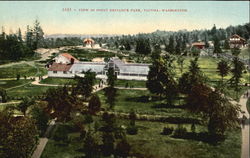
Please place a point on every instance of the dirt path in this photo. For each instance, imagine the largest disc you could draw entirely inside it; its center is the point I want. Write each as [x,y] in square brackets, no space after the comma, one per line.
[245,127]
[42,142]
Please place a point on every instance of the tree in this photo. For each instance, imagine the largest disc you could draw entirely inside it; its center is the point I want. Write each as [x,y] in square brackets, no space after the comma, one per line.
[213,30]
[85,85]
[3,95]
[197,99]
[91,146]
[94,104]
[217,49]
[111,77]
[38,35]
[195,51]
[29,34]
[222,113]
[25,104]
[40,116]
[170,46]
[178,47]
[122,148]
[193,77]
[18,136]
[60,103]
[226,45]
[161,78]
[180,62]
[235,51]
[108,129]
[143,46]
[110,93]
[19,36]
[223,68]
[237,72]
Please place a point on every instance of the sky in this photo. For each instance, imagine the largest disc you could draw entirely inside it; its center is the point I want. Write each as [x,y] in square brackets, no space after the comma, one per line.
[55,20]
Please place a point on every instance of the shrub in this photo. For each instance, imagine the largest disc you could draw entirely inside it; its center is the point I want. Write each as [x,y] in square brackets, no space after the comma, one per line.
[132,130]
[193,128]
[61,134]
[167,130]
[180,132]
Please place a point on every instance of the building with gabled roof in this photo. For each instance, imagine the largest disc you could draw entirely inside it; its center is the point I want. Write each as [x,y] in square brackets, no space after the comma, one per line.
[199,45]
[235,41]
[65,58]
[128,71]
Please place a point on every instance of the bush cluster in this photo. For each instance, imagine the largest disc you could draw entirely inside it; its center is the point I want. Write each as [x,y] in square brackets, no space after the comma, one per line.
[167,130]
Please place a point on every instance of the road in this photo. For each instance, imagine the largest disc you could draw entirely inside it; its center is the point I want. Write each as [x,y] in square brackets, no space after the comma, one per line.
[245,127]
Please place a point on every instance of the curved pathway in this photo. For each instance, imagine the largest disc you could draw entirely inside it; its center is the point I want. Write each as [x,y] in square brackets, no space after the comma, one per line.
[245,126]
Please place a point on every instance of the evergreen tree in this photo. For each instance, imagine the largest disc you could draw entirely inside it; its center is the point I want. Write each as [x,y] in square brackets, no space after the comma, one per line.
[180,62]
[38,35]
[193,77]
[143,46]
[170,46]
[226,45]
[85,85]
[94,104]
[178,47]
[3,95]
[19,36]
[91,146]
[111,77]
[223,68]
[237,72]
[217,49]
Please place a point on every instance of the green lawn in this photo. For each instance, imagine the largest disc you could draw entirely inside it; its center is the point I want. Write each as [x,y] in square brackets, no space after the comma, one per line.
[89,54]
[54,149]
[130,83]
[156,145]
[139,101]
[12,83]
[27,90]
[58,81]
[23,70]
[150,143]
[62,81]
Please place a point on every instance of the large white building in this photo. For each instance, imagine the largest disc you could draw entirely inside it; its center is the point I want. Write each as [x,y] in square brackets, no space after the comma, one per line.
[128,71]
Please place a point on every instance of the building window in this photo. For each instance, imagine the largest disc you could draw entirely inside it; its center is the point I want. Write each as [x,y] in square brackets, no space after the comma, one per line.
[54,72]
[65,72]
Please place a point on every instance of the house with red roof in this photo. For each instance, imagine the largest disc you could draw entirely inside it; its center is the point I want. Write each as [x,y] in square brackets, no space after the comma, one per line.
[65,58]
[199,45]
[60,70]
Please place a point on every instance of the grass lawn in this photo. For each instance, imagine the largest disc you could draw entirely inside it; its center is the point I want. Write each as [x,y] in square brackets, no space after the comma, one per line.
[62,81]
[23,70]
[27,90]
[58,81]
[89,54]
[149,139]
[130,83]
[55,149]
[12,83]
[150,143]
[138,101]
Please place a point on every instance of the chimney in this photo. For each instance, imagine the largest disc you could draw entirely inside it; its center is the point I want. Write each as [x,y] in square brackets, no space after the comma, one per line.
[72,61]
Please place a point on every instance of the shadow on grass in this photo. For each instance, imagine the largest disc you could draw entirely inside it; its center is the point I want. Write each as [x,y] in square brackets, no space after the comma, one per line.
[202,136]
[143,99]
[162,105]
